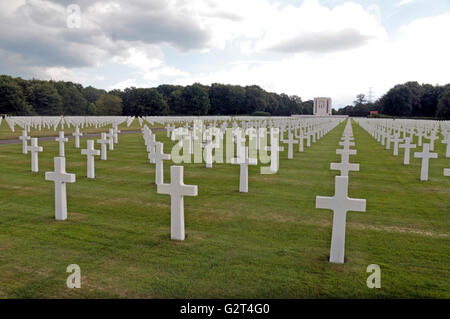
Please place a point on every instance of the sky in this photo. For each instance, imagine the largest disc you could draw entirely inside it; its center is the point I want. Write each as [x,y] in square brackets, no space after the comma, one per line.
[309,48]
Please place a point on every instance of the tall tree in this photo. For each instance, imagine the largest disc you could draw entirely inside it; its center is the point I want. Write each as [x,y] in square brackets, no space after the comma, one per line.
[397,101]
[109,104]
[415,93]
[151,102]
[237,100]
[443,108]
[92,94]
[255,99]
[429,100]
[73,101]
[219,96]
[195,100]
[12,99]
[307,107]
[44,98]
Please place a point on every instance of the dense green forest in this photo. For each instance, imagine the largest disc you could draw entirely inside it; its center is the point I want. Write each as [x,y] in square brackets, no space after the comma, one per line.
[37,97]
[405,100]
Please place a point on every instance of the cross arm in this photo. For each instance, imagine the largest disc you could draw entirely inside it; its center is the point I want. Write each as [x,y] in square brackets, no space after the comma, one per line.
[163,189]
[189,190]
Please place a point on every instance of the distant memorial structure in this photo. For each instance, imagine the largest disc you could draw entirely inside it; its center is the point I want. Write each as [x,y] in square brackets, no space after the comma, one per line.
[322,106]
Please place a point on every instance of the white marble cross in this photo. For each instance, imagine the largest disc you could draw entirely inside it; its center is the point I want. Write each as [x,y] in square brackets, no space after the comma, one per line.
[110,137]
[446,140]
[290,141]
[345,154]
[90,152]
[346,144]
[103,141]
[168,130]
[420,134]
[244,161]
[300,137]
[388,140]
[433,137]
[396,141]
[116,134]
[61,140]
[34,148]
[177,190]
[209,146]
[274,153]
[340,203]
[407,146]
[425,155]
[158,157]
[344,167]
[150,141]
[308,138]
[77,135]
[24,139]
[60,178]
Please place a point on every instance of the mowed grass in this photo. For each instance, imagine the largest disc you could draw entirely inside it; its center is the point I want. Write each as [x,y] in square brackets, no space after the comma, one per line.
[268,243]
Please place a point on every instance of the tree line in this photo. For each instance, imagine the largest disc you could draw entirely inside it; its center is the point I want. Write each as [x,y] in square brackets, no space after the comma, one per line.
[38,97]
[410,99]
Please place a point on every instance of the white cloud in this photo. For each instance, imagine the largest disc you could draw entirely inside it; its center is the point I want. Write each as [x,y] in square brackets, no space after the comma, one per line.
[315,28]
[417,53]
[140,58]
[125,84]
[403,2]
[339,51]
[155,76]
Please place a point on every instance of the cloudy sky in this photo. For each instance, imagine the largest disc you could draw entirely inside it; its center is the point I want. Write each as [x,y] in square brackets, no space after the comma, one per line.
[309,48]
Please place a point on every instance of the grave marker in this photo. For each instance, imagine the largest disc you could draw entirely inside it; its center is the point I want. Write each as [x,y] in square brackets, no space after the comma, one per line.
[34,148]
[244,162]
[158,157]
[103,141]
[177,190]
[61,140]
[407,146]
[60,178]
[90,152]
[425,155]
[340,203]
[77,135]
[24,137]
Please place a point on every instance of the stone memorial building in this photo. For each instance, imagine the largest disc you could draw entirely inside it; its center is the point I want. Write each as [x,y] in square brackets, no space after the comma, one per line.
[322,106]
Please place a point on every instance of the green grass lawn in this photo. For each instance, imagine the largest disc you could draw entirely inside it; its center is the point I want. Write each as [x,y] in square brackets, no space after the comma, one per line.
[268,243]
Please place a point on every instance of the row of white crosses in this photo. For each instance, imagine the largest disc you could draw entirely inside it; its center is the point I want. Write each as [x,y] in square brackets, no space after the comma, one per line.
[403,132]
[176,189]
[340,203]
[155,154]
[33,148]
[40,122]
[60,177]
[109,138]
